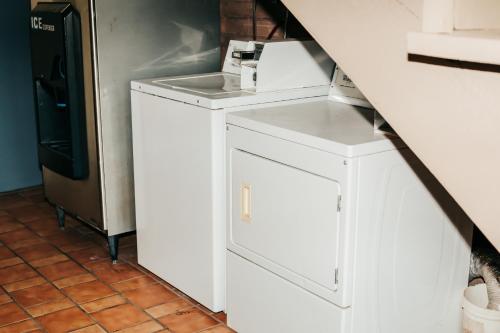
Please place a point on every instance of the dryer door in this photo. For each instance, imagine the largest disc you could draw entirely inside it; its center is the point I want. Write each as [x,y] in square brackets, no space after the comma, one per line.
[285,219]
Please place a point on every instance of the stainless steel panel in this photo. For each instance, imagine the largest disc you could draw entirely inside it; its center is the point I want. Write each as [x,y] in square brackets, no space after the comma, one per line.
[141,39]
[81,198]
[123,41]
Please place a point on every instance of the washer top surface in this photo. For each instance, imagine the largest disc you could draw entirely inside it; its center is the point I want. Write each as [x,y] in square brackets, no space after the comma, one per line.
[218,90]
[328,125]
[211,84]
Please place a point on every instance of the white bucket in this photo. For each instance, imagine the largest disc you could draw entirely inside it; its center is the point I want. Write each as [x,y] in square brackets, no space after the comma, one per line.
[477,318]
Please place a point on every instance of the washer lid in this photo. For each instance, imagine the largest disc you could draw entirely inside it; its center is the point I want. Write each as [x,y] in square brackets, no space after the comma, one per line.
[211,84]
[219,90]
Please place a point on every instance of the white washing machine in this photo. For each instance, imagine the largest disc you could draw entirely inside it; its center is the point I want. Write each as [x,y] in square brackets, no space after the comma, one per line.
[178,126]
[334,227]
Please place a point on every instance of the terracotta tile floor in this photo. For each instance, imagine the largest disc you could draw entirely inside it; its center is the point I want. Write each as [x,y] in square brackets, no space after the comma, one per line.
[54,280]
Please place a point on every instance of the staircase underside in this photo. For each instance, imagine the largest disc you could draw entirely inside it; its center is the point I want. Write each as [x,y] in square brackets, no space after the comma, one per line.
[450,117]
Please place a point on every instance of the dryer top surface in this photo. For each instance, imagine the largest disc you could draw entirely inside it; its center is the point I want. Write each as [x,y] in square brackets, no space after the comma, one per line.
[335,127]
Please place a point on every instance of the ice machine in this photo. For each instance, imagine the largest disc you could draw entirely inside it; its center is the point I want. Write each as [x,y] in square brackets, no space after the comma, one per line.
[58,80]
[84,55]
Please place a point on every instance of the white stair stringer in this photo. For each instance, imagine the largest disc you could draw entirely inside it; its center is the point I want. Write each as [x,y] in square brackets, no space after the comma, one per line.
[450,117]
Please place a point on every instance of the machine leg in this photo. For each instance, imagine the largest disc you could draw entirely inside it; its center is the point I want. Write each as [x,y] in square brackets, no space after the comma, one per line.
[60,217]
[113,248]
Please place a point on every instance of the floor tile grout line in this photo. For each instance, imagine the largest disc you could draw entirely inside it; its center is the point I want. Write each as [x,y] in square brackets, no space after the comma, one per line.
[177,292]
[64,292]
[30,317]
[128,261]
[105,283]
[128,301]
[20,306]
[158,281]
[208,328]
[48,281]
[80,306]
[75,304]
[110,285]
[192,304]
[22,321]
[212,315]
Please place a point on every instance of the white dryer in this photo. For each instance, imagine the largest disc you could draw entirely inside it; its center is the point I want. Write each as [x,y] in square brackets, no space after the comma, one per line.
[179,130]
[335,228]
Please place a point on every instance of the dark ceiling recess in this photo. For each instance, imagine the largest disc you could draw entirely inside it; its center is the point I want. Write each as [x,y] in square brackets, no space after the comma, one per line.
[257,19]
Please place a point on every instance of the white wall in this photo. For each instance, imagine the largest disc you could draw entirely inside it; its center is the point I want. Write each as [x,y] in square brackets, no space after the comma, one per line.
[450,117]
[477,14]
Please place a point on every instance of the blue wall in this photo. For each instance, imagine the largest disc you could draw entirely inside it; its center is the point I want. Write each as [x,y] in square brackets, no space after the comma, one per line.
[18,155]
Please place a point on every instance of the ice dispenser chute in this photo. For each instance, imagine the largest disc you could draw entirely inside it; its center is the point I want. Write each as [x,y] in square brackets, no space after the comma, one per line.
[56,51]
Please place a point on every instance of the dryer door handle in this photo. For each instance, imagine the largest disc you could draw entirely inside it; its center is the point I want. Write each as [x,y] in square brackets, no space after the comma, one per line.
[246,203]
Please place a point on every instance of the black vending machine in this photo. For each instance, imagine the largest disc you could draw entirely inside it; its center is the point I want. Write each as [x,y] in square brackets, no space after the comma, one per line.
[59,91]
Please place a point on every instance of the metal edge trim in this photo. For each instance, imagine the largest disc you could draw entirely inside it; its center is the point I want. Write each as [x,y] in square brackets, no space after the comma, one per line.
[97,111]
